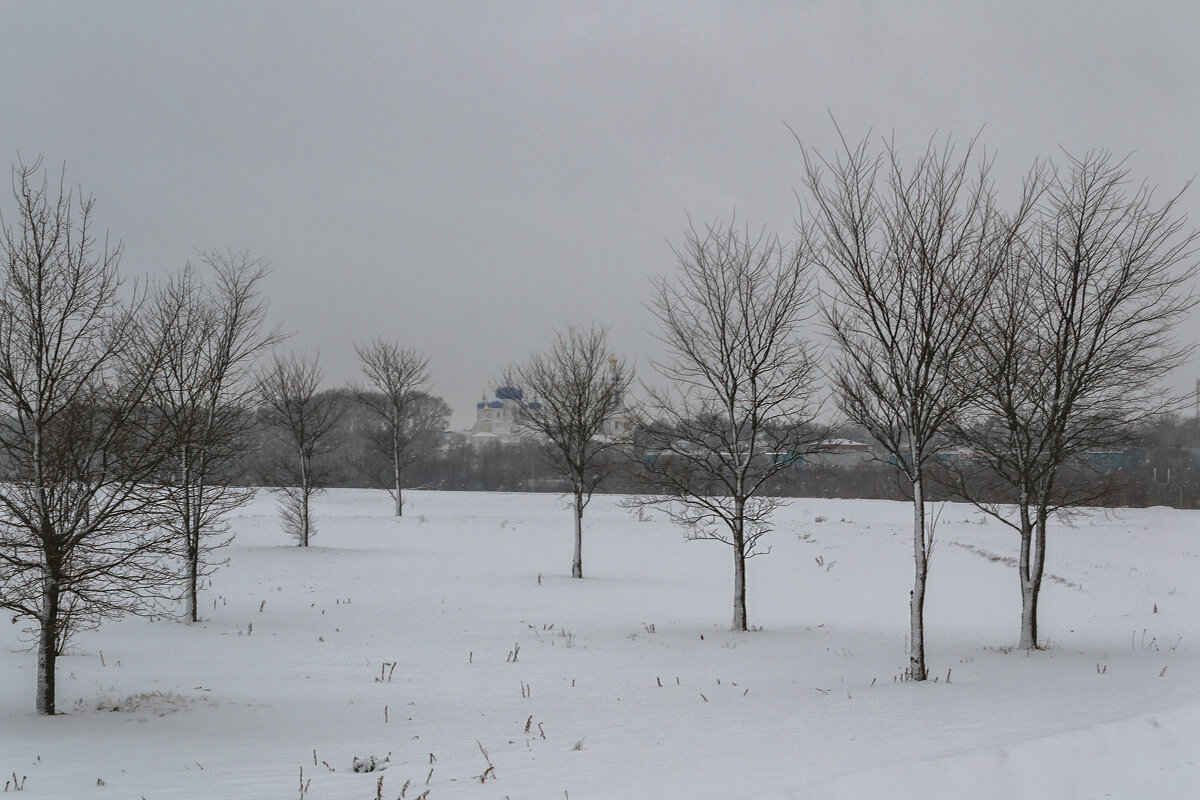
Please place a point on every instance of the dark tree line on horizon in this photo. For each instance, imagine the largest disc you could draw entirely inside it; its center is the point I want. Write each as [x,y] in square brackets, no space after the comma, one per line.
[1160,465]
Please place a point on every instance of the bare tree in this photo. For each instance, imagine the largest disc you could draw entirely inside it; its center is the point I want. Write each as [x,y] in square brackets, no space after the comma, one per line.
[303,416]
[1071,347]
[396,380]
[909,255]
[577,392]
[206,393]
[80,513]
[741,402]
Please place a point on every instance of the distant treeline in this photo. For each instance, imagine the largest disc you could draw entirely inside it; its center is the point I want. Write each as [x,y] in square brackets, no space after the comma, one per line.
[1161,467]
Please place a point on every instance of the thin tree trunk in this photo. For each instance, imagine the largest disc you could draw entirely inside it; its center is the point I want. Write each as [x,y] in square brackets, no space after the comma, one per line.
[304,468]
[1028,591]
[1029,597]
[193,574]
[1029,631]
[577,562]
[739,570]
[47,646]
[916,659]
[739,589]
[191,532]
[304,518]
[396,470]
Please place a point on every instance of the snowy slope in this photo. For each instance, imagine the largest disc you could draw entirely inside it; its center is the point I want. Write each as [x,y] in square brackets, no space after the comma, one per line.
[291,656]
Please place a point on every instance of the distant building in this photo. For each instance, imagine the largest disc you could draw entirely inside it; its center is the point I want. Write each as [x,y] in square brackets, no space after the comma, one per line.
[618,424]
[496,420]
[840,453]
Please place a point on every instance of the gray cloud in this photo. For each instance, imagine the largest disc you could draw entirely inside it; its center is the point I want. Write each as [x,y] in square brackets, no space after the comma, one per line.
[465,177]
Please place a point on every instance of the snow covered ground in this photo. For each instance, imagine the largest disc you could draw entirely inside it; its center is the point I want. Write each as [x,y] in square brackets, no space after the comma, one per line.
[495,648]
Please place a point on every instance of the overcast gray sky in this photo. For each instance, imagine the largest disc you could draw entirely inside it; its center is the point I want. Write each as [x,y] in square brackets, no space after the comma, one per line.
[466,177]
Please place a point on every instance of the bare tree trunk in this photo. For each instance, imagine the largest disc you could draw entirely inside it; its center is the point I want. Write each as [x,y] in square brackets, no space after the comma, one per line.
[1029,593]
[1029,600]
[577,562]
[304,495]
[304,517]
[739,571]
[307,515]
[399,498]
[1028,588]
[739,589]
[47,649]
[193,574]
[190,517]
[916,658]
[396,455]
[1031,589]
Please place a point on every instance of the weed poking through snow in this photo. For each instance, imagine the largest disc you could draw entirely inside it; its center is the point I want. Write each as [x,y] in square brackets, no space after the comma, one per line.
[489,772]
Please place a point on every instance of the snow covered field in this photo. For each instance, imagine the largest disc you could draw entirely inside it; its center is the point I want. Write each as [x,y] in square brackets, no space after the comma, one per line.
[495,648]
